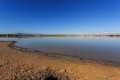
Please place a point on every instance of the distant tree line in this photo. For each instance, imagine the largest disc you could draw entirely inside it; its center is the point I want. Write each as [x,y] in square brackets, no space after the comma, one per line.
[20,35]
[114,35]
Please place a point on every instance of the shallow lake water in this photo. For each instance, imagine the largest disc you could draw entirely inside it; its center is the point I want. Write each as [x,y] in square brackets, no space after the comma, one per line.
[107,49]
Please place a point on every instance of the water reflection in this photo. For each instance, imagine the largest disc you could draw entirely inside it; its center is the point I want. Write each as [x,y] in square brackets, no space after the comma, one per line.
[94,48]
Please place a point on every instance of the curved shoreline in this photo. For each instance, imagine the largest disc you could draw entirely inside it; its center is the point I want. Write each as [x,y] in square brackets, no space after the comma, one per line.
[73,58]
[17,63]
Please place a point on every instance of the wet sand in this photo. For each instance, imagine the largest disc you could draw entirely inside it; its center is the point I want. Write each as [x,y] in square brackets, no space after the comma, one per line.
[20,65]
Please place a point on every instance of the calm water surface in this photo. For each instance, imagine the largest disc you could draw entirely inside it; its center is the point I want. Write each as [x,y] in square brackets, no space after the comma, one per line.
[107,49]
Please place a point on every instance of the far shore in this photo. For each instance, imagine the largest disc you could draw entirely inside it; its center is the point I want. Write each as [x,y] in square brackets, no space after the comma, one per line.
[100,35]
[20,63]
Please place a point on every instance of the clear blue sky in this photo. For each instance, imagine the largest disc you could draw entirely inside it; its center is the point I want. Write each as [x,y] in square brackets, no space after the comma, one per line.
[59,16]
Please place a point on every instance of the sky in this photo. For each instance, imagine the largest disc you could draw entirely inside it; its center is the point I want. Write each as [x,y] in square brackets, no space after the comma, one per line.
[59,16]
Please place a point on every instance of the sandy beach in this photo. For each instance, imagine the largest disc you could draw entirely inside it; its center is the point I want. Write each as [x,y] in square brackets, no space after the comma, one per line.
[23,65]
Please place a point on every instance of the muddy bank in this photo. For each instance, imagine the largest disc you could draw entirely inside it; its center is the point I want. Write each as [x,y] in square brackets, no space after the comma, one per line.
[73,58]
[23,64]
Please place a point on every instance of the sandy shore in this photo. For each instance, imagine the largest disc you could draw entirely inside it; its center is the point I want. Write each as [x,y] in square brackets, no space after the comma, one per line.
[22,65]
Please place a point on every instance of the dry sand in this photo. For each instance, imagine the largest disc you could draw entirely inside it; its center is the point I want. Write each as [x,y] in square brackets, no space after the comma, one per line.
[21,65]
